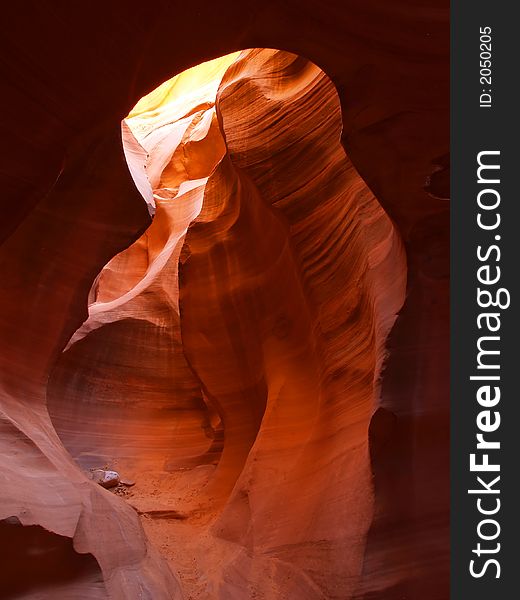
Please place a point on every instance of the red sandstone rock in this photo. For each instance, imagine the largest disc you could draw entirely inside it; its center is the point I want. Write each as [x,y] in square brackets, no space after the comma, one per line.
[291,277]
[127,482]
[296,281]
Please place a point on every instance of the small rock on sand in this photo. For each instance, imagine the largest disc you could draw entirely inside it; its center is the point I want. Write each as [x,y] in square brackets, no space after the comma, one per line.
[106,479]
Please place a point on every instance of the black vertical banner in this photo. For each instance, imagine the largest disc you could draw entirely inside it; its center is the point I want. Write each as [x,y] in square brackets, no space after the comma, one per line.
[485,267]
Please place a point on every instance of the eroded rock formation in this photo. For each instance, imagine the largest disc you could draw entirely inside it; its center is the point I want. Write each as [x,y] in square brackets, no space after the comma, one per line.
[230,360]
[256,303]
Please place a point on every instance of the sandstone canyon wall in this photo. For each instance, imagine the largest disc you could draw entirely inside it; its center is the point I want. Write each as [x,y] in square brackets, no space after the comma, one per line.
[232,355]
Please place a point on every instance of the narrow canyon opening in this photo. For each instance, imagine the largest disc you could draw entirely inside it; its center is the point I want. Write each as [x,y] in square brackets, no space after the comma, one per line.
[231,359]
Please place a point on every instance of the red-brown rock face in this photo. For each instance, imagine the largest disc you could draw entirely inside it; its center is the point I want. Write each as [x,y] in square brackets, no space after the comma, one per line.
[238,355]
[256,305]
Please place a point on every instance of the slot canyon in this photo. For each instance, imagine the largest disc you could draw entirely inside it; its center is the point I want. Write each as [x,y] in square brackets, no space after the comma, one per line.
[225,277]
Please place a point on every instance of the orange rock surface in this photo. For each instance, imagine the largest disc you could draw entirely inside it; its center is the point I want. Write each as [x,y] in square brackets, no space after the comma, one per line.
[256,305]
[238,355]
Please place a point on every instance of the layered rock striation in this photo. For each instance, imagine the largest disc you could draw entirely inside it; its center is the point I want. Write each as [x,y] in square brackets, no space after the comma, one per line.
[256,305]
[232,356]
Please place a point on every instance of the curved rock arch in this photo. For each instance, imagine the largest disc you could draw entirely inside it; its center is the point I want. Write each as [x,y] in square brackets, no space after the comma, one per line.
[414,110]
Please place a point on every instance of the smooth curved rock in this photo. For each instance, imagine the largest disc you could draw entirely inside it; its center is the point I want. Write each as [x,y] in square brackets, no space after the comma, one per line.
[70,207]
[275,276]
